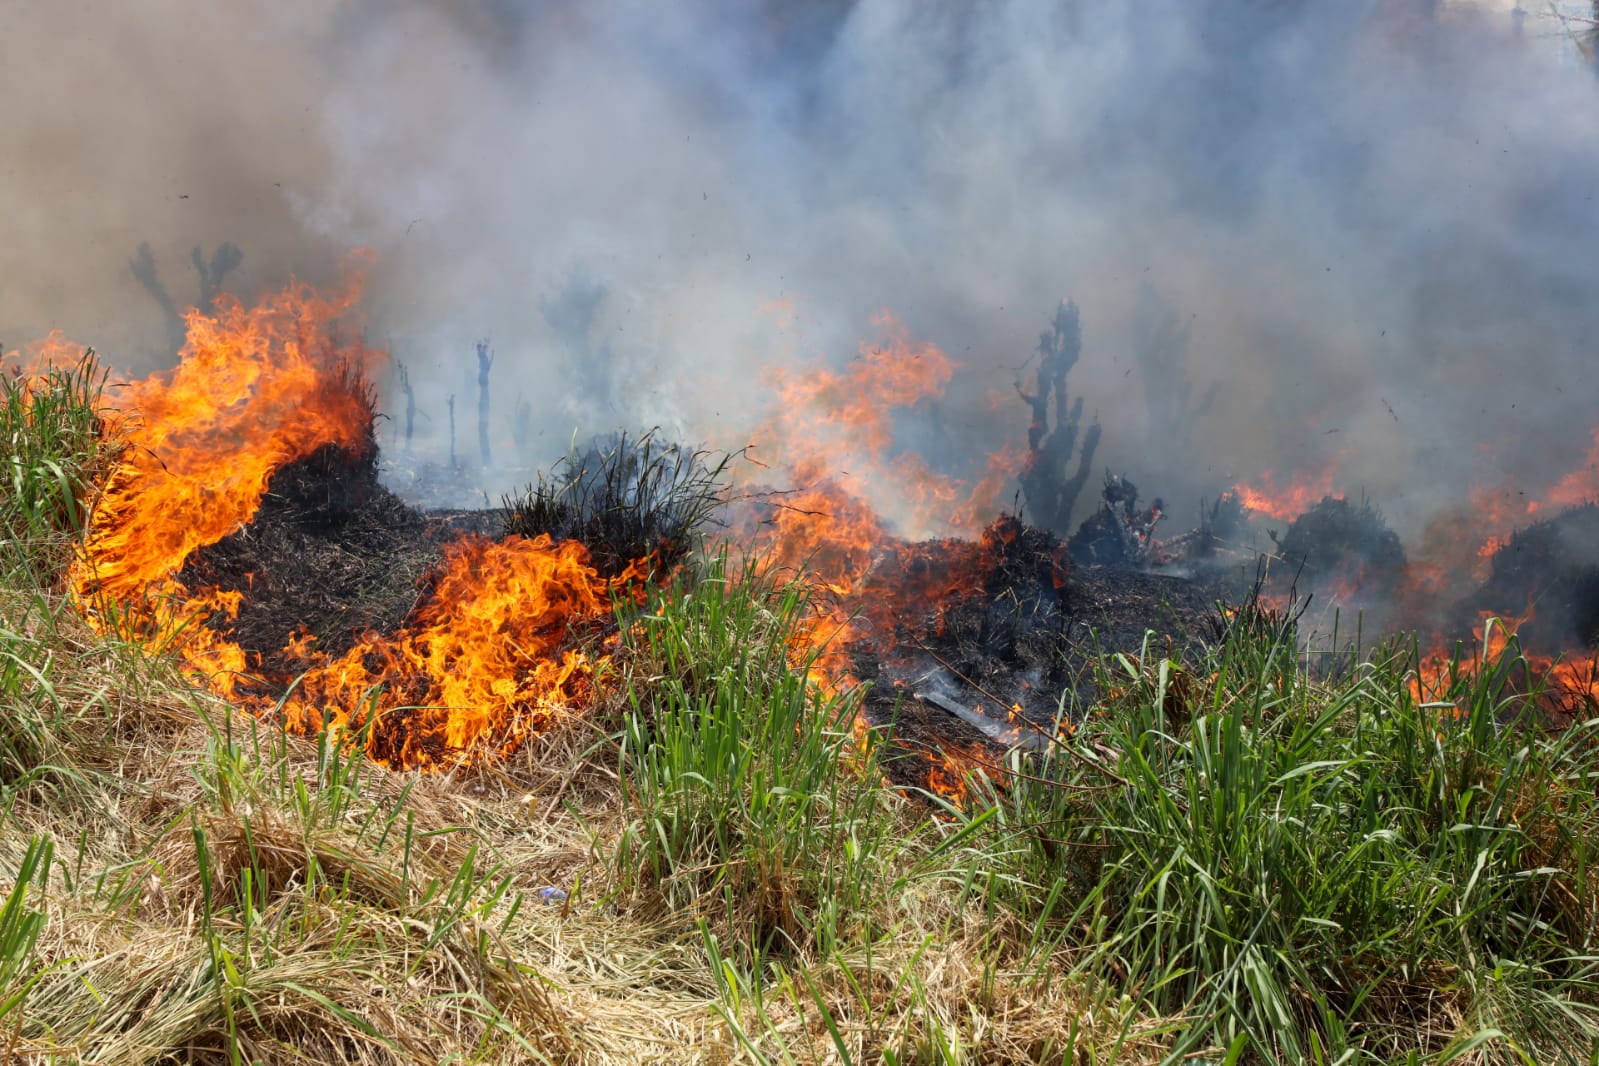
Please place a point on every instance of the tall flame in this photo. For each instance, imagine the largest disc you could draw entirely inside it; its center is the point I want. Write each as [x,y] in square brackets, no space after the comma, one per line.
[482,665]
[1286,502]
[255,388]
[837,426]
[486,659]
[834,430]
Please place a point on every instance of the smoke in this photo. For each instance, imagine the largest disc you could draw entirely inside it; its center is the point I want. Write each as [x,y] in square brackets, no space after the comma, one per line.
[1297,232]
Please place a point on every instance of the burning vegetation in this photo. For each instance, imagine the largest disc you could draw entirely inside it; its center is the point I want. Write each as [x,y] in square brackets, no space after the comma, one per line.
[781,652]
[1115,578]
[245,528]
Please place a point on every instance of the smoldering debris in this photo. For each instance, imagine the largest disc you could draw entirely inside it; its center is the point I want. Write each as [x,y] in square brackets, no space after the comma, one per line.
[1547,576]
[1342,546]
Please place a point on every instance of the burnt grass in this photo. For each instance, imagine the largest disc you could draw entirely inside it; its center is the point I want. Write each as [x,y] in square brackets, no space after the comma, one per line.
[330,552]
[1026,636]
[334,554]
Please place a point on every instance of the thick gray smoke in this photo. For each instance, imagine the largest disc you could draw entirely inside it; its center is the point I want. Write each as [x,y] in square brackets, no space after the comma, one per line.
[1298,231]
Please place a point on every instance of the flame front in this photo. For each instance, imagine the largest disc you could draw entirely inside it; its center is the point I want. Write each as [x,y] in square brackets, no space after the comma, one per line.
[254,389]
[835,432]
[483,664]
[877,589]
[1285,503]
[484,661]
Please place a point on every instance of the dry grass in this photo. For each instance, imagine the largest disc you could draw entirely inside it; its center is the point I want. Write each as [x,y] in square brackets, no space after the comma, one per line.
[222,893]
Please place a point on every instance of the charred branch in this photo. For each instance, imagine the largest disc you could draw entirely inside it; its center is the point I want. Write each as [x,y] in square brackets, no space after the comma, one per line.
[1120,533]
[225,259]
[485,360]
[1219,525]
[1049,487]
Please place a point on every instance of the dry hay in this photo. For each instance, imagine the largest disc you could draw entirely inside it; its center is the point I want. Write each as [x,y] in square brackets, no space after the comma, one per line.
[357,950]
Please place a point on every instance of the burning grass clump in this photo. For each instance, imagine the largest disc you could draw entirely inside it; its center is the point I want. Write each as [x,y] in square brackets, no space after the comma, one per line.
[1550,571]
[1003,628]
[995,606]
[329,554]
[1310,870]
[626,498]
[1344,547]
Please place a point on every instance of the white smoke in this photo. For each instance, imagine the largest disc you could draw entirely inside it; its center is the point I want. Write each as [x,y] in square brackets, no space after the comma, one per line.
[1370,223]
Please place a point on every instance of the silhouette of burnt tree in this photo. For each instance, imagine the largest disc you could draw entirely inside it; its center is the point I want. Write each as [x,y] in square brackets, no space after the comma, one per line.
[573,316]
[410,405]
[225,259]
[485,362]
[1049,486]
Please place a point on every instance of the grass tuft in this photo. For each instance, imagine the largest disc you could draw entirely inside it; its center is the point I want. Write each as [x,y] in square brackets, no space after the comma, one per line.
[749,800]
[626,498]
[1313,870]
[57,453]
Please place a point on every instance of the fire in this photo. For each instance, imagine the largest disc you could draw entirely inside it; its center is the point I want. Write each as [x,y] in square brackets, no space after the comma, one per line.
[875,590]
[948,772]
[1577,487]
[489,655]
[838,426]
[832,417]
[482,665]
[254,389]
[30,363]
[1566,686]
[483,662]
[1288,502]
[835,432]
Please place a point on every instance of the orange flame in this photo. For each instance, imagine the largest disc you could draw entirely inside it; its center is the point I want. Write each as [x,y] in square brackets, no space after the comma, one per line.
[1577,487]
[1304,490]
[29,364]
[480,667]
[482,664]
[838,425]
[254,389]
[1566,686]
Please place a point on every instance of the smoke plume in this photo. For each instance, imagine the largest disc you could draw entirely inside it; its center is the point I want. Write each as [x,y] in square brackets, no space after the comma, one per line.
[1298,232]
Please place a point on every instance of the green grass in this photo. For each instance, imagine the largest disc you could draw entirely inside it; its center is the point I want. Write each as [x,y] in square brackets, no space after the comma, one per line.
[57,452]
[1322,871]
[738,774]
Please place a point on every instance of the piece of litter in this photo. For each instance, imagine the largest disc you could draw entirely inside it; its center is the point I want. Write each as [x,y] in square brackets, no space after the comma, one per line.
[552,896]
